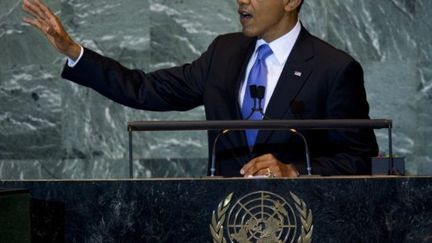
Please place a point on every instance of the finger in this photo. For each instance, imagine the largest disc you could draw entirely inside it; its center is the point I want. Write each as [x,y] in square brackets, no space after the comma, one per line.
[255,164]
[263,157]
[262,172]
[45,9]
[40,10]
[34,23]
[258,165]
[45,25]
[30,8]
[269,172]
[48,14]
[51,20]
[246,167]
[276,171]
[249,168]
[266,163]
[41,25]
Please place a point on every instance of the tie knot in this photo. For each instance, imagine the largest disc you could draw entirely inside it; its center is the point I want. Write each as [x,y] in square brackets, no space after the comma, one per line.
[264,51]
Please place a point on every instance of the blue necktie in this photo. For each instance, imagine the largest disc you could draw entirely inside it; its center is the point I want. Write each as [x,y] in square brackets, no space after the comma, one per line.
[257,76]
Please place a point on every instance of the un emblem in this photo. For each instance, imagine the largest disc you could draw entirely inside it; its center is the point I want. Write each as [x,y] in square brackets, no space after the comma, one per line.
[262,217]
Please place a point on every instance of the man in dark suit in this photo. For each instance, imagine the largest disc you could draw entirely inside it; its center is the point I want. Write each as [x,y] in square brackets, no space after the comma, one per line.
[304,78]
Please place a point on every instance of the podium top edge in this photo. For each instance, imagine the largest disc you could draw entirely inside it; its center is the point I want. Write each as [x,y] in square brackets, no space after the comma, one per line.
[234,179]
[263,124]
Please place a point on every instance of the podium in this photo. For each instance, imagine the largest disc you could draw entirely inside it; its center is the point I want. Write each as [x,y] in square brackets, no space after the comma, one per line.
[14,215]
[327,209]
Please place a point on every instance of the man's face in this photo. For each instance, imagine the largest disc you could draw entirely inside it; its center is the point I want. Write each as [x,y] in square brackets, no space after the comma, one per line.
[266,19]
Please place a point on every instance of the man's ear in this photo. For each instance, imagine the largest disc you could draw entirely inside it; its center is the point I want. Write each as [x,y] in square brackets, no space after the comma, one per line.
[291,5]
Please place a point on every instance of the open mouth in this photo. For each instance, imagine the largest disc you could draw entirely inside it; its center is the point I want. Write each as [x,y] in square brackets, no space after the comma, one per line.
[244,14]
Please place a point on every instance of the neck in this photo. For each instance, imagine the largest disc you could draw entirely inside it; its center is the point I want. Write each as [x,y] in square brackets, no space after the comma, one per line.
[285,26]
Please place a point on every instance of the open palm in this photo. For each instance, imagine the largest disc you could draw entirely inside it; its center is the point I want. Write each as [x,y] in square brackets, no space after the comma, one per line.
[50,25]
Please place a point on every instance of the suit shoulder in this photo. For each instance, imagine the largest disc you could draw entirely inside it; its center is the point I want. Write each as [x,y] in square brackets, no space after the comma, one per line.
[326,51]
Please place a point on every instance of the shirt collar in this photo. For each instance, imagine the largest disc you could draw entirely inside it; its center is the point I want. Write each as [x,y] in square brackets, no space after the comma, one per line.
[283,45]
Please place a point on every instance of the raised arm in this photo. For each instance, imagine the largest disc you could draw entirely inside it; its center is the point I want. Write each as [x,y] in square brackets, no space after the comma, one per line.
[50,25]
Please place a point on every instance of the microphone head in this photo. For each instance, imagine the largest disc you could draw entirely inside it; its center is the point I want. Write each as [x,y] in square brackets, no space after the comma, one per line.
[260,92]
[253,91]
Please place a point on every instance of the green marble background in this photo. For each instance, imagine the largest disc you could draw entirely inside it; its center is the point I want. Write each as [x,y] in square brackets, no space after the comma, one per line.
[51,128]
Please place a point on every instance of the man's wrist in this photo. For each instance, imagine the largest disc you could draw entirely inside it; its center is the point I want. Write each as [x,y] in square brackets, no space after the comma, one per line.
[74,52]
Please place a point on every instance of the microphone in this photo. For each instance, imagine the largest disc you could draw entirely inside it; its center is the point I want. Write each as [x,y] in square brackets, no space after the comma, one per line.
[260,93]
[308,163]
[256,93]
[213,159]
[253,89]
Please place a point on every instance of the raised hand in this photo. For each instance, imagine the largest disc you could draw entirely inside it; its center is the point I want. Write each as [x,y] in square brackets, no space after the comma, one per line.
[49,24]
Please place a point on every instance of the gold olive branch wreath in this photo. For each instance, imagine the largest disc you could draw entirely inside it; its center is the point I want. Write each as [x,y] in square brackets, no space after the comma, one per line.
[305,215]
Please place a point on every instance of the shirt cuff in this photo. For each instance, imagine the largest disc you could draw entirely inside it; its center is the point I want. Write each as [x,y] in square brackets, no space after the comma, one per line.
[71,63]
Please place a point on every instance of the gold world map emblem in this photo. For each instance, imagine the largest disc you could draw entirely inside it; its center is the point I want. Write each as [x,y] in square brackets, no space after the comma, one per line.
[262,217]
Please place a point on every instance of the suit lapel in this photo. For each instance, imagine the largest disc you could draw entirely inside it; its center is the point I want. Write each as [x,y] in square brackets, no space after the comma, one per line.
[294,76]
[239,65]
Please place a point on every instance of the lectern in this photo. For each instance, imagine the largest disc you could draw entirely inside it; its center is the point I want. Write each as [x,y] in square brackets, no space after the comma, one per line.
[307,209]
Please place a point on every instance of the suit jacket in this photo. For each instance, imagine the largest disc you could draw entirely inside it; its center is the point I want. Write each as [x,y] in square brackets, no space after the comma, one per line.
[330,87]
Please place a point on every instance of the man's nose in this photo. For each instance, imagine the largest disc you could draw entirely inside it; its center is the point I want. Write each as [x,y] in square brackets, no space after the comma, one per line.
[240,2]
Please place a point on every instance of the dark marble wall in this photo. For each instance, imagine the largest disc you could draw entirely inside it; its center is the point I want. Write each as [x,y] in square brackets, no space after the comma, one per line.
[51,128]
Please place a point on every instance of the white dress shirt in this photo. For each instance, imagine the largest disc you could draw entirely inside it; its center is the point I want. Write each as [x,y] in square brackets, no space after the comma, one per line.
[275,63]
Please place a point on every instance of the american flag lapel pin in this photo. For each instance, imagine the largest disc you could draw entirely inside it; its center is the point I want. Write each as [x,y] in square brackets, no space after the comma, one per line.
[298,73]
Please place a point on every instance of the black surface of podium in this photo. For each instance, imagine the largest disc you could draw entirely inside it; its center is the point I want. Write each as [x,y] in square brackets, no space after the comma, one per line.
[326,209]
[14,216]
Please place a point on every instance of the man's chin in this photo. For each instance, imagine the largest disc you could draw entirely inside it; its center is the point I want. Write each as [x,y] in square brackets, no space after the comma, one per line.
[249,33]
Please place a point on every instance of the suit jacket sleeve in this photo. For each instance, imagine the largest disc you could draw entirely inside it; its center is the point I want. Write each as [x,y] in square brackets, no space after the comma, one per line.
[178,88]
